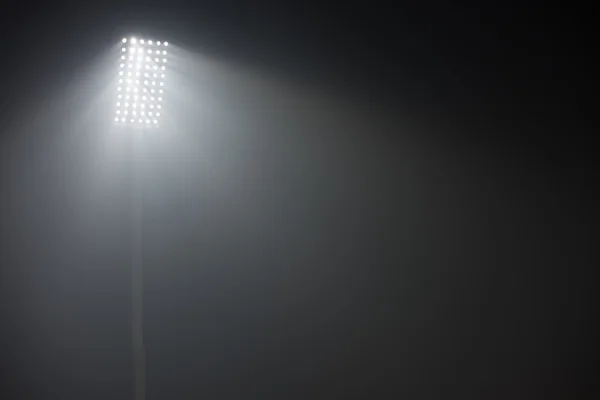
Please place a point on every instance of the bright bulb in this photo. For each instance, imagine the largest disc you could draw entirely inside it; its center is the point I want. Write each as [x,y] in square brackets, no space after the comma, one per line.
[123,49]
[133,40]
[142,41]
[124,40]
[166,43]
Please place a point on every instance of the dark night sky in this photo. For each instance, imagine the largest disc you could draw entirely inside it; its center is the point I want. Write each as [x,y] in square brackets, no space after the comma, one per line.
[398,206]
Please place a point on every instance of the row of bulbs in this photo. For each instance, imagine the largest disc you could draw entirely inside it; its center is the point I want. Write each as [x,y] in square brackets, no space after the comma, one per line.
[134,104]
[148,59]
[146,74]
[141,50]
[141,121]
[137,82]
[150,113]
[140,67]
[135,96]
[128,89]
[134,41]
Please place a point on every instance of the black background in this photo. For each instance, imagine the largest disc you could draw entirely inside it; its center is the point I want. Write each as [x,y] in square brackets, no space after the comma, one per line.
[428,239]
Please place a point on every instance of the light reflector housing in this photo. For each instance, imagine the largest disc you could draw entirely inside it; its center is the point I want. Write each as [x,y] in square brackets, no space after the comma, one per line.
[140,46]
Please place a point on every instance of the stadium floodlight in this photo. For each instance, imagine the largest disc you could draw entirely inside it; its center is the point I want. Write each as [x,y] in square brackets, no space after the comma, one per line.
[137,46]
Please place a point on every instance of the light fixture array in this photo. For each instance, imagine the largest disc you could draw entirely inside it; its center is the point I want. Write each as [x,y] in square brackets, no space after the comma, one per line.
[141,81]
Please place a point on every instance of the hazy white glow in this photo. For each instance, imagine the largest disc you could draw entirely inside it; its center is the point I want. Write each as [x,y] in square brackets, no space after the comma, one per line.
[166,43]
[124,40]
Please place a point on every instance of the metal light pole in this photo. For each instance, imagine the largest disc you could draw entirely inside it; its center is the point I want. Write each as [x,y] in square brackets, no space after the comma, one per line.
[137,273]
[142,65]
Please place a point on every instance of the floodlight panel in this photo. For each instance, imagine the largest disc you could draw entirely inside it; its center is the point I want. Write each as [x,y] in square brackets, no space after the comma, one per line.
[131,82]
